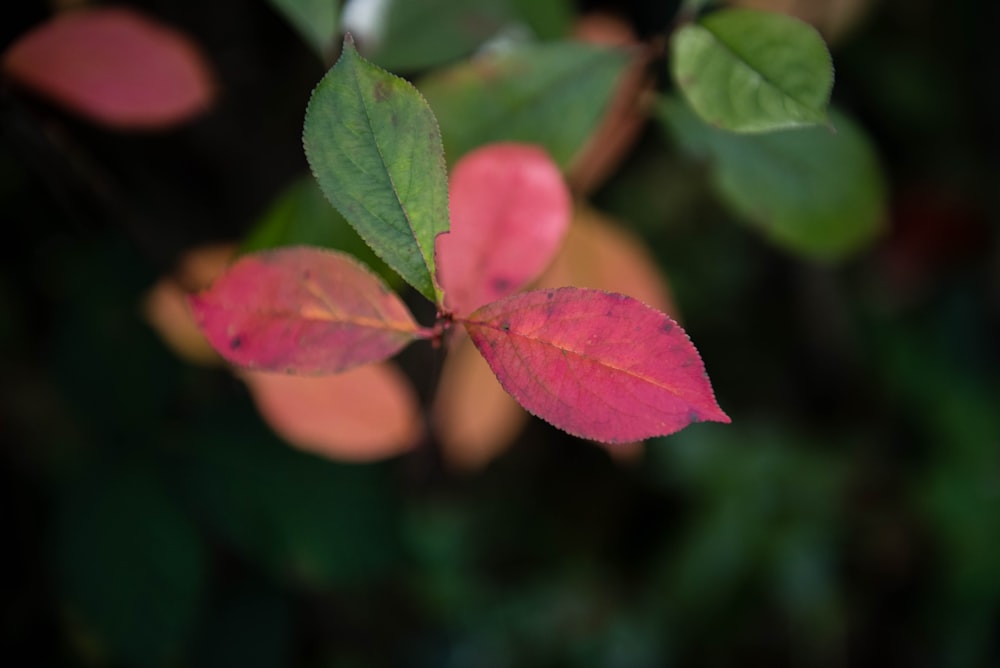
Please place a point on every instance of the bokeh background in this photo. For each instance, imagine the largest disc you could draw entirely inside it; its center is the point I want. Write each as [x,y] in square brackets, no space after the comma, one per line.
[849,515]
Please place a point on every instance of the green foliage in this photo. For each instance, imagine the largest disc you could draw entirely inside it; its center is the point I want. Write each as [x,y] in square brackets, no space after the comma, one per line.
[816,191]
[549,94]
[751,71]
[374,146]
[302,216]
[316,21]
[417,35]
[548,20]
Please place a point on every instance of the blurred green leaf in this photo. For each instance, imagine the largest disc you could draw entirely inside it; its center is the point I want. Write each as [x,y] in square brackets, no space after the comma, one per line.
[551,19]
[419,35]
[302,216]
[316,21]
[130,564]
[549,94]
[815,191]
[304,519]
[374,146]
[751,71]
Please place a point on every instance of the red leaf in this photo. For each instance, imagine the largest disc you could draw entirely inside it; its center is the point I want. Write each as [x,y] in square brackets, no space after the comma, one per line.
[367,413]
[598,365]
[510,210]
[115,66]
[302,310]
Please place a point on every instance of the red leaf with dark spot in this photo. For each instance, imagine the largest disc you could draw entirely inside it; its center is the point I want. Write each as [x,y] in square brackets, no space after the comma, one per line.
[303,310]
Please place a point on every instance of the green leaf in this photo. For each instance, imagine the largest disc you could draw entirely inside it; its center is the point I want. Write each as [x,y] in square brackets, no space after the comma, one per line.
[549,94]
[427,33]
[815,191]
[130,565]
[315,20]
[301,216]
[375,148]
[548,20]
[750,71]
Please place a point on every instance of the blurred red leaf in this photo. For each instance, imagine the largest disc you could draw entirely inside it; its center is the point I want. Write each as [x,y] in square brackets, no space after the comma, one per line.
[367,413]
[302,310]
[510,209]
[115,66]
[598,365]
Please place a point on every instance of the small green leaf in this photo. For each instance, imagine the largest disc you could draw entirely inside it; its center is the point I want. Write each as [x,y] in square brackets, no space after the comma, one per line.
[816,191]
[549,94]
[750,71]
[315,20]
[301,216]
[374,146]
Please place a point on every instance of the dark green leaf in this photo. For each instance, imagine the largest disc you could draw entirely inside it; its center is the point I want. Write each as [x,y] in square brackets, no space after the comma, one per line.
[816,191]
[551,19]
[316,21]
[302,216]
[427,33]
[549,94]
[374,146]
[752,71]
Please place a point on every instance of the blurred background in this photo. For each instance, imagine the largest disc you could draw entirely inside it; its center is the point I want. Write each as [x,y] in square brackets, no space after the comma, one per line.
[849,515]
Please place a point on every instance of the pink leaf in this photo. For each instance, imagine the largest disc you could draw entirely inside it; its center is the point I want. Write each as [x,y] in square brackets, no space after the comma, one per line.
[115,66]
[367,413]
[302,310]
[598,365]
[510,210]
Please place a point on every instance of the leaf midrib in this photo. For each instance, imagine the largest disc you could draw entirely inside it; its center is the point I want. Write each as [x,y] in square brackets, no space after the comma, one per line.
[388,175]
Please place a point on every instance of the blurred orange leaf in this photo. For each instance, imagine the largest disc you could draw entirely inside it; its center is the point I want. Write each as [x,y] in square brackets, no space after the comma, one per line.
[601,254]
[165,305]
[363,414]
[474,418]
[115,66]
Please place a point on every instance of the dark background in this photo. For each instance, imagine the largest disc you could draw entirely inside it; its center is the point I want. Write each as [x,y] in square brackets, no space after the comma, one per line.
[850,514]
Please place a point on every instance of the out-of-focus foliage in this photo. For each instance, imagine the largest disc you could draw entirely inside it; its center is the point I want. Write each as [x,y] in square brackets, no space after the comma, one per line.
[817,191]
[551,94]
[847,516]
[316,21]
